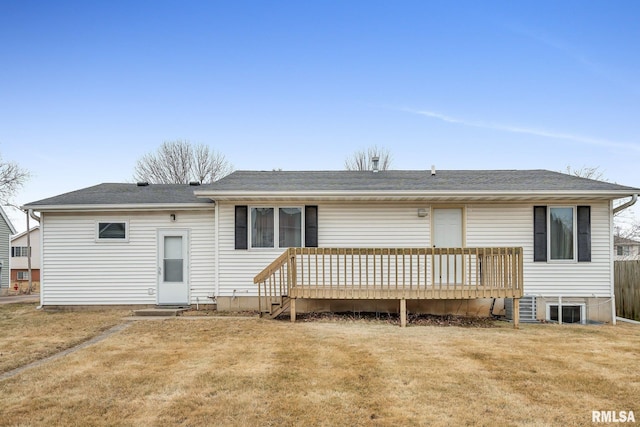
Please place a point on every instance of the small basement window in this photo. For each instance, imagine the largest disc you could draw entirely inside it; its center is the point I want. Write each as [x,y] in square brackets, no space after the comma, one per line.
[571,313]
[112,231]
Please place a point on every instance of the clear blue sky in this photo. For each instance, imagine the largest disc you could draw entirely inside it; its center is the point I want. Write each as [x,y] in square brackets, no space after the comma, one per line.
[88,87]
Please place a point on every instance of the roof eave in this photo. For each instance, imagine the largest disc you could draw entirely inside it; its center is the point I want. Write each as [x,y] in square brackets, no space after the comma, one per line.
[140,207]
[412,195]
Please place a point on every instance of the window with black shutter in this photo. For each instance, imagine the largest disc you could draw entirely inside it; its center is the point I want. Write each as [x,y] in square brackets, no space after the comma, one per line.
[311,226]
[275,227]
[584,233]
[241,219]
[554,227]
[540,233]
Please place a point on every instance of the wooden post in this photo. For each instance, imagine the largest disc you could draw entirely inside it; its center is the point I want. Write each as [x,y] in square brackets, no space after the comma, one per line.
[403,313]
[516,313]
[293,309]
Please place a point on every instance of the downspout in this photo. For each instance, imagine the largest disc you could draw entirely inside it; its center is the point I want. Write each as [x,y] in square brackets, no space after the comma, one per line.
[31,214]
[37,218]
[29,253]
[216,251]
[634,199]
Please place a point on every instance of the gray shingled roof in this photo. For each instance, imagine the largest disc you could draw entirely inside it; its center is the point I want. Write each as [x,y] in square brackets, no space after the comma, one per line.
[395,180]
[266,182]
[125,194]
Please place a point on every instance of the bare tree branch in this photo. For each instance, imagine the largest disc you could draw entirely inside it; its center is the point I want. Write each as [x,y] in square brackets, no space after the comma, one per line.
[362,160]
[586,172]
[180,162]
[12,178]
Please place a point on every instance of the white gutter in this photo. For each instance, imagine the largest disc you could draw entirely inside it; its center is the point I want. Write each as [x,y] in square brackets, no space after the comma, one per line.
[631,202]
[120,207]
[412,194]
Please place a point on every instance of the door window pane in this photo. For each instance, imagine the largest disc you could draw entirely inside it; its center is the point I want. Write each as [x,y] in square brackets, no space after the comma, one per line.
[290,228]
[262,227]
[173,247]
[561,233]
[173,262]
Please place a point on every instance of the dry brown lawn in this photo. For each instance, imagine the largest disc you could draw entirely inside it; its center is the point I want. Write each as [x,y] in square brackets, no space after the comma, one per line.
[249,372]
[27,334]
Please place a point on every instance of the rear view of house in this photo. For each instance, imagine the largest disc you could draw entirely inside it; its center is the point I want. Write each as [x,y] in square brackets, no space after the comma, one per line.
[435,241]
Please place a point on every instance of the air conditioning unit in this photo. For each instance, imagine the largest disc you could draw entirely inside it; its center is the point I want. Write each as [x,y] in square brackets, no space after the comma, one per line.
[527,309]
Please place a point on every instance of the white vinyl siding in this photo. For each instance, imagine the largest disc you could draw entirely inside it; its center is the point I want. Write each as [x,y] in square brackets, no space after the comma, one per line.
[512,225]
[398,225]
[77,270]
[5,254]
[339,225]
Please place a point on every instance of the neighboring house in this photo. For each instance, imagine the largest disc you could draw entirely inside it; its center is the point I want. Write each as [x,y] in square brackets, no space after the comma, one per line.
[450,241]
[20,261]
[6,230]
[626,249]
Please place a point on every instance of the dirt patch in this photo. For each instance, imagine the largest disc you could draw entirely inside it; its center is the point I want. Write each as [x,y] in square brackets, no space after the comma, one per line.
[216,313]
[394,319]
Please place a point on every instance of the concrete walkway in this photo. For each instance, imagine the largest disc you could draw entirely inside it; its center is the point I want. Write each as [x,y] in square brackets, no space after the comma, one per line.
[19,298]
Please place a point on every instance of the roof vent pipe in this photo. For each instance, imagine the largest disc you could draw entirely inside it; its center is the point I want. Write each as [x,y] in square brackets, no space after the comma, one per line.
[433,170]
[142,184]
[374,163]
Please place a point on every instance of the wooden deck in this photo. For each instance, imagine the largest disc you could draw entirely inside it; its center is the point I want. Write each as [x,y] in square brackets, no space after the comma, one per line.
[390,273]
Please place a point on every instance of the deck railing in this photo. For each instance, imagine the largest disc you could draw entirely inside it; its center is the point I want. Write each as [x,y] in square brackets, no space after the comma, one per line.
[392,273]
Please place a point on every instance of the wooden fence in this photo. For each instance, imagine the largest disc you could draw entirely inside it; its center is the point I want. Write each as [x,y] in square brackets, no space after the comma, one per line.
[627,289]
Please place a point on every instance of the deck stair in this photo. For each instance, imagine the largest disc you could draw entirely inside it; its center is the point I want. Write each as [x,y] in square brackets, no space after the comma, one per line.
[277,308]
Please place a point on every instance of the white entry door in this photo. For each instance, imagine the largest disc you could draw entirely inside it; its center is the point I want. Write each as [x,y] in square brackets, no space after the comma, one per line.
[173,268]
[447,233]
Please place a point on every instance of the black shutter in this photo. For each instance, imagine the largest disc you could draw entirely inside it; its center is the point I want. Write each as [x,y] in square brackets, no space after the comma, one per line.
[540,233]
[311,226]
[584,233]
[13,251]
[241,227]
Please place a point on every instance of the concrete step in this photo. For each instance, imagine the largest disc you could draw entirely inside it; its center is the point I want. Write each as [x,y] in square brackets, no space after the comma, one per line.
[164,312]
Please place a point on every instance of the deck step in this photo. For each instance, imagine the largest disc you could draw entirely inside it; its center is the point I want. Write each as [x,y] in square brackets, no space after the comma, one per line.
[278,309]
[161,312]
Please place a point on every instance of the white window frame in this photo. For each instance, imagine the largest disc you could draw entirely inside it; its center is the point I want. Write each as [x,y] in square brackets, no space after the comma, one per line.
[24,251]
[575,234]
[583,311]
[107,240]
[276,226]
[24,274]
